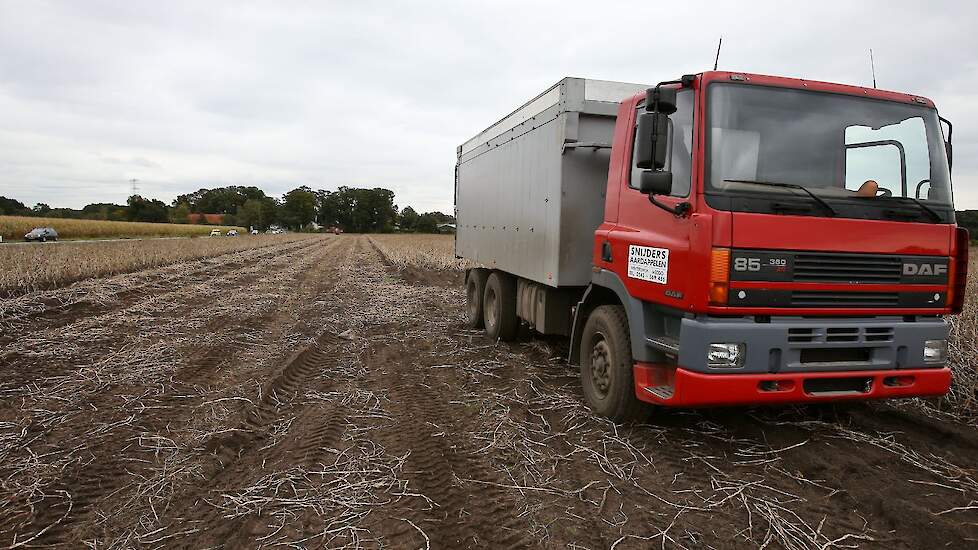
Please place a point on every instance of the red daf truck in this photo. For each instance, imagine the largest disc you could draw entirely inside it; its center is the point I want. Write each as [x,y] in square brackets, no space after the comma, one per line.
[719,239]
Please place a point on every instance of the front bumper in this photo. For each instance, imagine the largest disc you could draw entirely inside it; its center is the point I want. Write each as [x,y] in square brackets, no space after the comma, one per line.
[811,344]
[679,387]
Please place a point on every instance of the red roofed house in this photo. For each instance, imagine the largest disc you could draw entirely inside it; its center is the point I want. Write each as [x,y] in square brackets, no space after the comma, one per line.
[210,219]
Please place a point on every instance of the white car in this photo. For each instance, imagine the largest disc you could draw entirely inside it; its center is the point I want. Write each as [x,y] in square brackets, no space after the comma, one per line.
[254,231]
[233,233]
[215,232]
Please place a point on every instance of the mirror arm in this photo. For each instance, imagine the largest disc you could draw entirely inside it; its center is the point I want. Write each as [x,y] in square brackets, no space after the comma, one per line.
[947,144]
[680,211]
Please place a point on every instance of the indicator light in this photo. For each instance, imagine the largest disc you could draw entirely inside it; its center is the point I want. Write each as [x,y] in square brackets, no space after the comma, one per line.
[719,276]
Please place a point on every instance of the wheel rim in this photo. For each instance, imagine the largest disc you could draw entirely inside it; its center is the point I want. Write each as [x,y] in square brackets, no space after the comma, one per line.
[491,307]
[601,365]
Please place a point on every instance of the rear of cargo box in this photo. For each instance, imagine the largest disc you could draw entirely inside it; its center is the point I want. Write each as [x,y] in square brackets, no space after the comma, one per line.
[529,190]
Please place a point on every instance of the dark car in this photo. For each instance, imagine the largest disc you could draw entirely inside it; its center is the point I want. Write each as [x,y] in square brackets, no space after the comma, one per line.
[43,234]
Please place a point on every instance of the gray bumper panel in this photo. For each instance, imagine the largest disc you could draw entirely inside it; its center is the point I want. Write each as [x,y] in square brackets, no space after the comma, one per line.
[777,346]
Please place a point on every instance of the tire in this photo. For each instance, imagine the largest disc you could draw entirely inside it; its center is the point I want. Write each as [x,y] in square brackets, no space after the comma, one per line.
[606,365]
[44,239]
[475,289]
[499,307]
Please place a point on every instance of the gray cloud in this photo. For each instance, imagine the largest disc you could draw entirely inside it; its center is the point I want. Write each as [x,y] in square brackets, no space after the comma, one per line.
[183,95]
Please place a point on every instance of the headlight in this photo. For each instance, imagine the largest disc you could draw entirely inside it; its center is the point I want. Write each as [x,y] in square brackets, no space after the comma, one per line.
[935,351]
[726,356]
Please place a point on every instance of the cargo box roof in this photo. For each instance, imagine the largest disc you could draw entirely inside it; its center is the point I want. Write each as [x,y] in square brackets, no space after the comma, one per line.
[569,94]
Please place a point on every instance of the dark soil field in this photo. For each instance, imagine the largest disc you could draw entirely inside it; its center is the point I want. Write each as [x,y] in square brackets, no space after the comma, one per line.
[309,394]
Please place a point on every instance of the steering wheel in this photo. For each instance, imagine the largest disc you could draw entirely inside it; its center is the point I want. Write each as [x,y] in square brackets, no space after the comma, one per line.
[884,192]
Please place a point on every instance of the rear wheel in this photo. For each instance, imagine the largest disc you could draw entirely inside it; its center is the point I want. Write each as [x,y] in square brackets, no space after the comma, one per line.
[606,365]
[475,288]
[499,307]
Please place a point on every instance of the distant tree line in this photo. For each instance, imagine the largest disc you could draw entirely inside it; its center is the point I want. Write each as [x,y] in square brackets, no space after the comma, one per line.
[969,220]
[351,209]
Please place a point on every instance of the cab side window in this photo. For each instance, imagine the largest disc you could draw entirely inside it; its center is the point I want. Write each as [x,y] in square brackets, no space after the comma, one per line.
[679,157]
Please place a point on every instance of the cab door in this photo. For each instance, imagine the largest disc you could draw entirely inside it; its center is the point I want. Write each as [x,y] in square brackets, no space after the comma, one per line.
[650,247]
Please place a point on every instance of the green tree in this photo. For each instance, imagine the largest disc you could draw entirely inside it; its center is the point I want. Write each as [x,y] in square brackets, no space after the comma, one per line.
[179,213]
[298,208]
[428,223]
[105,211]
[409,219]
[146,210]
[253,214]
[222,200]
[12,207]
[358,210]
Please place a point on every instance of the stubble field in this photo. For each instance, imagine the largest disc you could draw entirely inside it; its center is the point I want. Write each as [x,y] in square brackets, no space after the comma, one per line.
[322,392]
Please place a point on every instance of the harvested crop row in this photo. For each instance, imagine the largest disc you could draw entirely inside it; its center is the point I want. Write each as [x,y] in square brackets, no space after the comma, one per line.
[424,251]
[963,399]
[29,268]
[14,227]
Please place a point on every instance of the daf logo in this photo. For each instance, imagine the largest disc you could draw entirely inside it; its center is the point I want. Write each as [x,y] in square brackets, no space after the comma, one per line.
[924,269]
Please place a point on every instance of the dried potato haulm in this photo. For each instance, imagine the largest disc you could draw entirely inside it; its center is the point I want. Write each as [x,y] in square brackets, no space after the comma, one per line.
[33,267]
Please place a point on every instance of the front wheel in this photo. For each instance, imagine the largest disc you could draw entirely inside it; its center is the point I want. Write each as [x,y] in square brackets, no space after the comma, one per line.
[606,365]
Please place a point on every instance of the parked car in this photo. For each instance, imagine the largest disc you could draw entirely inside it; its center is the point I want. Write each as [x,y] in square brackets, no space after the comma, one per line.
[215,232]
[43,234]
[232,233]
[254,231]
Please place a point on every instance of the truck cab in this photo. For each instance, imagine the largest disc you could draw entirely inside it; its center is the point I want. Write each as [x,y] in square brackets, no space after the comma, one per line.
[764,240]
[803,248]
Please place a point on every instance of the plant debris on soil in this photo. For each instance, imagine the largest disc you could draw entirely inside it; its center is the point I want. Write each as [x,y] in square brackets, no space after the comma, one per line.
[316,394]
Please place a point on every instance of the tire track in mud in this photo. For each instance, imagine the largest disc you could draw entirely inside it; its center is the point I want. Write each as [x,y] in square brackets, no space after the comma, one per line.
[173,301]
[462,504]
[112,463]
[279,430]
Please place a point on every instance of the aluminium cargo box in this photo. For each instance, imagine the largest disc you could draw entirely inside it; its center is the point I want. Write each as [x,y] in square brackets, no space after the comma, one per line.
[529,190]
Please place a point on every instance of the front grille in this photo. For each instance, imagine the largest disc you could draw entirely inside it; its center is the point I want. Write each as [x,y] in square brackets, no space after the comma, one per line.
[831,334]
[849,268]
[844,299]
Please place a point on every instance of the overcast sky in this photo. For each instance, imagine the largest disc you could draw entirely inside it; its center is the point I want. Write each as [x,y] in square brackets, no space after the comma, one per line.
[184,95]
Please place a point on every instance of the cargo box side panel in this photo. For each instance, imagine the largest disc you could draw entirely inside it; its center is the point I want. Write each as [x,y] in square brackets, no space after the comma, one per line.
[584,185]
[508,202]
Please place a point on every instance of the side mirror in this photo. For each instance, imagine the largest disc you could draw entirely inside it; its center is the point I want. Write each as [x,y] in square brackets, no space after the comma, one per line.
[947,147]
[655,183]
[651,142]
[663,98]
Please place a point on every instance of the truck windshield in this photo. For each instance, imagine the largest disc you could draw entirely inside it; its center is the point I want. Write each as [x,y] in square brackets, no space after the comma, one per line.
[854,157]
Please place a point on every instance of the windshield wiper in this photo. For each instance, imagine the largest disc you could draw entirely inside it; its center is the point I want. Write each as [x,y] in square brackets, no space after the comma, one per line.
[930,211]
[828,208]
